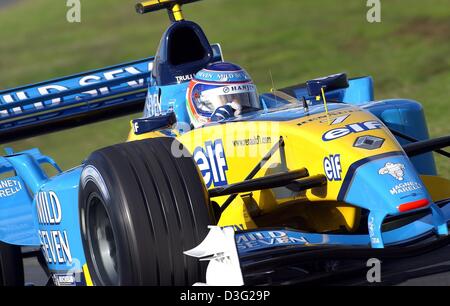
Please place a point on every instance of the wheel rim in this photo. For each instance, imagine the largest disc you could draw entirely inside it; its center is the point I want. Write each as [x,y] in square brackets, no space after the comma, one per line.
[103,247]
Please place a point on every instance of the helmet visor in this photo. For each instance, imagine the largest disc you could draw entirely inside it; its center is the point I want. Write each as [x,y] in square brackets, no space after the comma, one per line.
[243,97]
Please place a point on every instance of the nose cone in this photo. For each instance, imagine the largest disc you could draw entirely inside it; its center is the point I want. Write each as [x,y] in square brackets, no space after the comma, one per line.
[388,183]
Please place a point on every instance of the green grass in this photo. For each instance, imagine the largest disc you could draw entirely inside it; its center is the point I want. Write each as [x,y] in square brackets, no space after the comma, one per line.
[407,53]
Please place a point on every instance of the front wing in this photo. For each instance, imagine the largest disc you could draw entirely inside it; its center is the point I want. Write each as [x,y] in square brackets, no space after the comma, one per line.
[286,256]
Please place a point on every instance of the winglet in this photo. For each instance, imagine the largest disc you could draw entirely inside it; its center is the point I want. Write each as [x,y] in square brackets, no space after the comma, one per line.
[219,247]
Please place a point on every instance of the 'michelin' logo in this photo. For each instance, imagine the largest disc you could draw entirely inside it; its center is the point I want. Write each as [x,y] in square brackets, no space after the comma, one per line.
[396,170]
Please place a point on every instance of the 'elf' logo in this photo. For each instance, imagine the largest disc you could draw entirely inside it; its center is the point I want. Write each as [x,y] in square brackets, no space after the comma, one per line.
[212,163]
[332,167]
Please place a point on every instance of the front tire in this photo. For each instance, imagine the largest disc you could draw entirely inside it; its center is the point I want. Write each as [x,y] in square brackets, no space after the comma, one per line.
[140,208]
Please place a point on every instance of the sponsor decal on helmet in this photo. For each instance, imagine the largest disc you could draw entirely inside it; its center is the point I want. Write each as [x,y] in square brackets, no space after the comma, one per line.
[222,76]
[230,89]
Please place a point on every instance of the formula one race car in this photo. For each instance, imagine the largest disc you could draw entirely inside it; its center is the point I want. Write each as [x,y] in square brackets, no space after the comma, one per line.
[319,175]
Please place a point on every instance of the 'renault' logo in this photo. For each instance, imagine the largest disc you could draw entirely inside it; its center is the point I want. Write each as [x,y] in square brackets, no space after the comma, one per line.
[396,170]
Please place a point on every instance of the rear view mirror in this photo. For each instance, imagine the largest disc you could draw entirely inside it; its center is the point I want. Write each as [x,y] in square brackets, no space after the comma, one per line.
[150,124]
[328,83]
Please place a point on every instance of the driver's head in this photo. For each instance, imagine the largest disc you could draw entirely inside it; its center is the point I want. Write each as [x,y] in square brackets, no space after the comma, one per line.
[220,91]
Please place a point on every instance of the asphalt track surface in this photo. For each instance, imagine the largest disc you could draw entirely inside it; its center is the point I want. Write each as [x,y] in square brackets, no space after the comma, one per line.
[432,269]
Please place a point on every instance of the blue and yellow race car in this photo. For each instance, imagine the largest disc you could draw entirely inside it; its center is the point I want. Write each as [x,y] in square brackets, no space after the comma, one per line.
[317,174]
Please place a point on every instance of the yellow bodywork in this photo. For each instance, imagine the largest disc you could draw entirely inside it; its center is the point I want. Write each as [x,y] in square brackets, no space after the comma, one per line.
[246,142]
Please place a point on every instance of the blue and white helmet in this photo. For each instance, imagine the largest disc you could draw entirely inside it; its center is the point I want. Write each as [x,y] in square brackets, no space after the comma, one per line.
[220,91]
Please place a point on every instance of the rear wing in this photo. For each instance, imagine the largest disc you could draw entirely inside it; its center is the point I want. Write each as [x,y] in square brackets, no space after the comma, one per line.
[72,101]
[76,100]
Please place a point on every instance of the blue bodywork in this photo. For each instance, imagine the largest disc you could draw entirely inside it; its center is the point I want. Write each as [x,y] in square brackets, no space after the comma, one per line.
[256,240]
[37,210]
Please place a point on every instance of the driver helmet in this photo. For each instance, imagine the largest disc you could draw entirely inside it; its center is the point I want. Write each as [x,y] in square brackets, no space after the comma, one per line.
[220,91]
